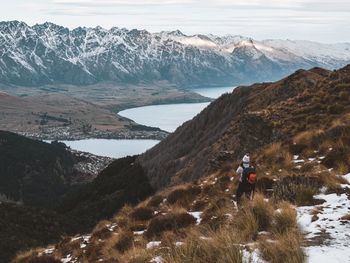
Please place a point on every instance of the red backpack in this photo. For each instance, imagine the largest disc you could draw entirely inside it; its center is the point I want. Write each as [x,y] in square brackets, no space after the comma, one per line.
[249,174]
[252,178]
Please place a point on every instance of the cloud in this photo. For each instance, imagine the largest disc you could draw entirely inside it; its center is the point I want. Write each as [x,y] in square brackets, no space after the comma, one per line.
[106,3]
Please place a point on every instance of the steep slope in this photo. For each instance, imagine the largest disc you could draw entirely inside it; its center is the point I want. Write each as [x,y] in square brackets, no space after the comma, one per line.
[246,120]
[298,133]
[39,174]
[34,177]
[122,182]
[23,227]
[51,54]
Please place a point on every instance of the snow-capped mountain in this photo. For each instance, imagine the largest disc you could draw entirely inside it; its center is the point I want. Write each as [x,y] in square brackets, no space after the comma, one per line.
[48,53]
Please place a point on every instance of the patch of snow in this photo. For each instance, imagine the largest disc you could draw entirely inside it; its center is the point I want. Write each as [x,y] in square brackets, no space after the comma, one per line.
[111,227]
[325,254]
[49,250]
[197,216]
[75,238]
[153,244]
[179,243]
[312,159]
[336,243]
[157,259]
[251,257]
[347,177]
[298,161]
[295,157]
[139,232]
[67,259]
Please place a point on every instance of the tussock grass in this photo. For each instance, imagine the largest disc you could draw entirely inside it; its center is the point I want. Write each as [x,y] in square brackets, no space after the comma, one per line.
[171,221]
[137,255]
[184,196]
[142,213]
[308,137]
[330,180]
[284,219]
[155,200]
[101,230]
[277,157]
[305,195]
[123,219]
[246,223]
[286,248]
[124,241]
[263,212]
[222,246]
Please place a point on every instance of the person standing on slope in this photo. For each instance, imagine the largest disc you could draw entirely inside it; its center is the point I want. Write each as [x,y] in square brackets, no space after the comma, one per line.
[247,179]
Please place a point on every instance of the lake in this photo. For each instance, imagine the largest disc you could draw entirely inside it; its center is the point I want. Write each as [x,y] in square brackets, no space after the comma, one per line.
[170,116]
[111,148]
[167,117]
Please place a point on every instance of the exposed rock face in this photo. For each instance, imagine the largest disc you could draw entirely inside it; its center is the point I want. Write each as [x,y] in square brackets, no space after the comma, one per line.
[51,54]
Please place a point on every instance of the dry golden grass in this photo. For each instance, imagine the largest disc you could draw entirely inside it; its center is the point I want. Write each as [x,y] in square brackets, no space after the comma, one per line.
[101,230]
[330,180]
[246,223]
[305,195]
[137,255]
[172,221]
[123,219]
[142,213]
[307,137]
[286,248]
[263,212]
[221,246]
[124,241]
[284,219]
[277,157]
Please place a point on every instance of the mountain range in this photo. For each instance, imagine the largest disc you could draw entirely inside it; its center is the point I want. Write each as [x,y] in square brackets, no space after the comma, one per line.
[51,54]
[297,131]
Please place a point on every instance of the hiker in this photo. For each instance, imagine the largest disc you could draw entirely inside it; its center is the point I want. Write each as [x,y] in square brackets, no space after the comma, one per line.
[247,179]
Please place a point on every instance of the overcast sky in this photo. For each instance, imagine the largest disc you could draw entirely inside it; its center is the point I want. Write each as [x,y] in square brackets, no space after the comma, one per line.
[320,20]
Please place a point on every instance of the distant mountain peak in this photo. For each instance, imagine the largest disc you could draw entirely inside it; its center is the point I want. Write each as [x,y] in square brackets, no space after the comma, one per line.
[51,54]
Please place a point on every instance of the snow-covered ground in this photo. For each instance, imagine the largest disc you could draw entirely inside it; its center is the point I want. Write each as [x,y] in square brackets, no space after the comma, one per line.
[327,234]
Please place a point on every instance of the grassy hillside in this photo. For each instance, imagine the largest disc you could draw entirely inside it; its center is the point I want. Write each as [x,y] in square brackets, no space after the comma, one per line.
[248,119]
[297,131]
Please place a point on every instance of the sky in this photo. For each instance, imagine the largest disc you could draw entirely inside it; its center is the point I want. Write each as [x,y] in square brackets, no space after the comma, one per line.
[325,21]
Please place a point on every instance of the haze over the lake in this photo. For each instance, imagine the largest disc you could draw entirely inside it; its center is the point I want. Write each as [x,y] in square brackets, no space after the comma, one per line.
[319,20]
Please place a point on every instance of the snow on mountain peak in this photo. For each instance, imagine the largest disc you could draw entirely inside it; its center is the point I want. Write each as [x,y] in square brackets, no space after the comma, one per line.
[46,53]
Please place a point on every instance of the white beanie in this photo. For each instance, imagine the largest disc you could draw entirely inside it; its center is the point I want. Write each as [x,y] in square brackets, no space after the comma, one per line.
[246,158]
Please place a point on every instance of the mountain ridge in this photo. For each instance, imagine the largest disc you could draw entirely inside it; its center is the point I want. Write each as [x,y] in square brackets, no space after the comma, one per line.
[247,119]
[51,54]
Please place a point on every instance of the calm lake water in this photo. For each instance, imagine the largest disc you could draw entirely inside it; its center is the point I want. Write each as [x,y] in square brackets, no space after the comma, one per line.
[167,117]
[111,148]
[170,116]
